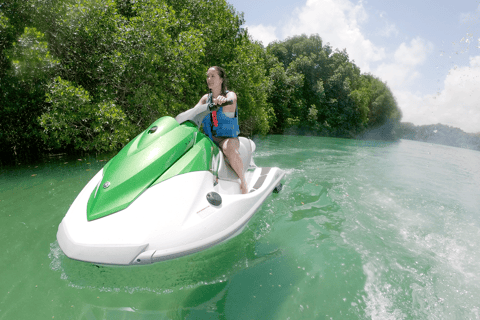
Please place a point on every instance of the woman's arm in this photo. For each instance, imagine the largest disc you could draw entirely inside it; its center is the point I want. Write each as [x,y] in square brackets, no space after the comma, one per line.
[203,100]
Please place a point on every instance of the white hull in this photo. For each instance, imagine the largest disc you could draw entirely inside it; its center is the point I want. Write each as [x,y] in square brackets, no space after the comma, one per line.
[168,220]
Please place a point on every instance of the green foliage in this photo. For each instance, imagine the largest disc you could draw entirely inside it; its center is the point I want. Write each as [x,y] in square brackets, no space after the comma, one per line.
[312,115]
[90,74]
[5,31]
[218,23]
[361,97]
[379,100]
[158,62]
[81,35]
[285,93]
[31,59]
[247,76]
[21,88]
[72,118]
[125,8]
[6,39]
[335,99]
[20,105]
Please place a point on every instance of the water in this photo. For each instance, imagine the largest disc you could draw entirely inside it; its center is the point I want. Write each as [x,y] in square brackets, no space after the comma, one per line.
[361,230]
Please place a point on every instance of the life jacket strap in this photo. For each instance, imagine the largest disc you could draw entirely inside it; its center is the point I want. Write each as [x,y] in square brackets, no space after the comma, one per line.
[214,118]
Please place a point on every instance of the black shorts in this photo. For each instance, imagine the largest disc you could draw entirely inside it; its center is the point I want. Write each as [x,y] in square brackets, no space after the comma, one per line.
[219,140]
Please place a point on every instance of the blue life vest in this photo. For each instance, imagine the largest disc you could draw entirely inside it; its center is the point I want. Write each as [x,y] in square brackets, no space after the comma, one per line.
[219,125]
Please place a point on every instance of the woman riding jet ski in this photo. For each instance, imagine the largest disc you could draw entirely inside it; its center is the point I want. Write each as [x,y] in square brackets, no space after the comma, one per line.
[222,127]
[170,192]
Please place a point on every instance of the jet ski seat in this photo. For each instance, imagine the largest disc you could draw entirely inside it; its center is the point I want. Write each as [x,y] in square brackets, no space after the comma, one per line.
[225,171]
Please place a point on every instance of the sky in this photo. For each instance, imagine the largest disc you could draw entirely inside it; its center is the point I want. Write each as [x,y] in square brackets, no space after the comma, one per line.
[428,52]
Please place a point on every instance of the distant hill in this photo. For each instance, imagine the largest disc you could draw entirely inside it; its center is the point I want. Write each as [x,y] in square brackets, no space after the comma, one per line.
[439,134]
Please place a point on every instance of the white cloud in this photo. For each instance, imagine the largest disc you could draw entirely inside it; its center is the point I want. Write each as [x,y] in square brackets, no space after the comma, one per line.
[337,22]
[457,105]
[414,54]
[403,70]
[389,28]
[265,34]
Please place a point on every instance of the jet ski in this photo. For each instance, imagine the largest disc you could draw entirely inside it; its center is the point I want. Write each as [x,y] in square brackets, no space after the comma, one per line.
[168,193]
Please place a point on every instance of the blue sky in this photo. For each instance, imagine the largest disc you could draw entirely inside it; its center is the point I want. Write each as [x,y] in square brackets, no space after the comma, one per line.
[427,51]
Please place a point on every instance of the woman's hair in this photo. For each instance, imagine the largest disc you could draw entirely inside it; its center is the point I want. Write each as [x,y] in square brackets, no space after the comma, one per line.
[222,74]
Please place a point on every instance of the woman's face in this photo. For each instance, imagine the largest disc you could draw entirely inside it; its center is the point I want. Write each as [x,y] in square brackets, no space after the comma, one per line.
[213,79]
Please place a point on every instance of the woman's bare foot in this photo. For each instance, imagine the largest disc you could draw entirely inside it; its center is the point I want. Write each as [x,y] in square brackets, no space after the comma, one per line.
[243,187]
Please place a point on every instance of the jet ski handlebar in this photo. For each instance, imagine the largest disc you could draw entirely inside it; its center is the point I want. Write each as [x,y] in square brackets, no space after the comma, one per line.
[214,107]
[197,113]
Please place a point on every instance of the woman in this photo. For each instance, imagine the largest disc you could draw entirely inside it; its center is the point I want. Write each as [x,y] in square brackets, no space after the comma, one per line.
[222,126]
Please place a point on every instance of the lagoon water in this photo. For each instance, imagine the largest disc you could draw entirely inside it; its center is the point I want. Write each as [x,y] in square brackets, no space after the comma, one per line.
[361,230]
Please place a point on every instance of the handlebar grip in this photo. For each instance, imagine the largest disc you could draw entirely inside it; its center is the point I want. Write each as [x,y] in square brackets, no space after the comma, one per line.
[215,107]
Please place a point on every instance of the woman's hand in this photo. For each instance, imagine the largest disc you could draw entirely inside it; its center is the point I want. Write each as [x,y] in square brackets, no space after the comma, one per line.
[219,100]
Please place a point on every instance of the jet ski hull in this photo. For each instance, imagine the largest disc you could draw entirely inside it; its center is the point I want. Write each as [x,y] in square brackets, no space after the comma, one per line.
[168,220]
[169,192]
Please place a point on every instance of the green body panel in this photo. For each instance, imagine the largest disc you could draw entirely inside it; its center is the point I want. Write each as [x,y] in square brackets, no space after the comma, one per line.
[198,158]
[144,160]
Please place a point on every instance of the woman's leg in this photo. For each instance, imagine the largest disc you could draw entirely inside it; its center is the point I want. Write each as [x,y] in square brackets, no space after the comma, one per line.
[230,149]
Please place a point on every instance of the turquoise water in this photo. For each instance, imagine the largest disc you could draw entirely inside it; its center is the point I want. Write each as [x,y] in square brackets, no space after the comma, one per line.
[361,230]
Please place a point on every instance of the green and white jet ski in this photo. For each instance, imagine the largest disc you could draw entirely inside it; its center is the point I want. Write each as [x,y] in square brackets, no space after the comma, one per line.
[166,194]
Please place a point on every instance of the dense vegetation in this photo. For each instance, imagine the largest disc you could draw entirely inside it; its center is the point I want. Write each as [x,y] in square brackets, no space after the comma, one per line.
[314,86]
[88,75]
[439,134]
